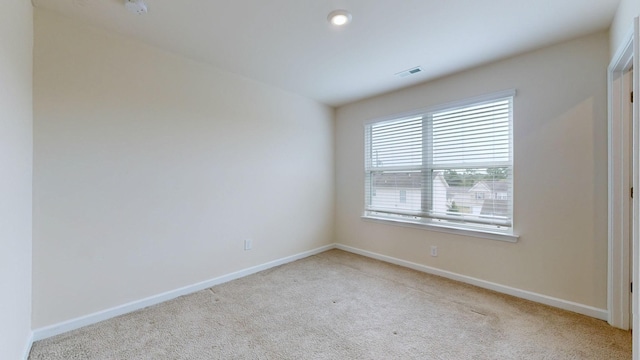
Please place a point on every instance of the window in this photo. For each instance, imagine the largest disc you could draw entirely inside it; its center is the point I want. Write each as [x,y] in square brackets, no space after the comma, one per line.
[448,167]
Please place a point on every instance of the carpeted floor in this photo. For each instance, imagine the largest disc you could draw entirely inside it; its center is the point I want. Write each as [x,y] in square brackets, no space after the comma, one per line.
[337,305]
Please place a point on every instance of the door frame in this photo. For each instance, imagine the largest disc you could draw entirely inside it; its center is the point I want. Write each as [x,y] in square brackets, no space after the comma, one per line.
[622,168]
[619,147]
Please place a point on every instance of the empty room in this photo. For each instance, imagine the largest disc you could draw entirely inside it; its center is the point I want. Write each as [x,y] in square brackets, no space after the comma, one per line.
[326,179]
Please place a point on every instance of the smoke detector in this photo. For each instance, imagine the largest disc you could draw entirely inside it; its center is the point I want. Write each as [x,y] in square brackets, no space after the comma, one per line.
[136,6]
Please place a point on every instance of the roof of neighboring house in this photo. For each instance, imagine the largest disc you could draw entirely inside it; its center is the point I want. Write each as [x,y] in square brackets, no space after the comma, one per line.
[457,190]
[405,180]
[495,207]
[491,185]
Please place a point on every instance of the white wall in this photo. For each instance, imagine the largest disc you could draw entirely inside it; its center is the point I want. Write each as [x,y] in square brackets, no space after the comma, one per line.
[560,170]
[16,153]
[150,170]
[623,23]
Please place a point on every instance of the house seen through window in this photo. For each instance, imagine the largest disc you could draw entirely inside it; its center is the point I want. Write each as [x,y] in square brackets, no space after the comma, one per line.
[452,166]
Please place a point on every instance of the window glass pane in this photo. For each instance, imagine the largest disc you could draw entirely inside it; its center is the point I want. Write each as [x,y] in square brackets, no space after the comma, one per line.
[478,194]
[397,191]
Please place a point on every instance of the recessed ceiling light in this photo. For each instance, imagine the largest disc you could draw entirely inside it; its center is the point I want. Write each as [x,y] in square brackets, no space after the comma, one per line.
[339,17]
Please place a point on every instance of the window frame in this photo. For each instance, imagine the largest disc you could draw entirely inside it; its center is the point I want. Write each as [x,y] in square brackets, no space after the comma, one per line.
[403,196]
[495,232]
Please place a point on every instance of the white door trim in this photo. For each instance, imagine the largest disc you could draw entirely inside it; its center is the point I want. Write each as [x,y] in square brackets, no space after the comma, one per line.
[636,180]
[619,162]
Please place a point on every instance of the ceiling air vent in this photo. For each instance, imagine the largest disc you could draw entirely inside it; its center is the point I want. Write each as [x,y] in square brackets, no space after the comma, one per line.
[411,71]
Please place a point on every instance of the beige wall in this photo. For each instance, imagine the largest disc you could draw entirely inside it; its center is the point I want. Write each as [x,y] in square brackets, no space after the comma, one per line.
[623,23]
[560,152]
[150,170]
[16,124]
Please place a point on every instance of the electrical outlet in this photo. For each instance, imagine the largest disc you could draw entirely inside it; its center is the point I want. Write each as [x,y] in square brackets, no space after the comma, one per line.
[248,244]
[434,251]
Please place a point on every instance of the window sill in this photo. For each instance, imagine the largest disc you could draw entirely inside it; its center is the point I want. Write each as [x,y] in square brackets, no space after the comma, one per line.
[448,228]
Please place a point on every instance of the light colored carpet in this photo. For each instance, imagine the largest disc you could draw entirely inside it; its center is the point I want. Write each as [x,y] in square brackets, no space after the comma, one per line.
[337,305]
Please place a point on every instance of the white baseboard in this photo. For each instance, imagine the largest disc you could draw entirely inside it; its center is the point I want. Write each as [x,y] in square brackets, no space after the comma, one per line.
[27,347]
[96,317]
[597,313]
[82,321]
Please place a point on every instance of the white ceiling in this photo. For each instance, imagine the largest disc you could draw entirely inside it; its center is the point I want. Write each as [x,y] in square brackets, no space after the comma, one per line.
[289,43]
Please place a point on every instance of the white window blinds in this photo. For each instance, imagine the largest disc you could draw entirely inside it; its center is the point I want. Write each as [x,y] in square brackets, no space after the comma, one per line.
[453,165]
